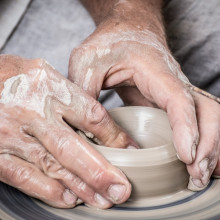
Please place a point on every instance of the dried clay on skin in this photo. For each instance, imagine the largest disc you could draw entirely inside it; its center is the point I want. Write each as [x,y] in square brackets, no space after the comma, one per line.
[87,79]
[105,41]
[18,91]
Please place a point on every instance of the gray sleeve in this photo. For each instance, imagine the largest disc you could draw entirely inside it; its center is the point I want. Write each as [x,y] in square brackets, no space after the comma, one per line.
[11,12]
[193,30]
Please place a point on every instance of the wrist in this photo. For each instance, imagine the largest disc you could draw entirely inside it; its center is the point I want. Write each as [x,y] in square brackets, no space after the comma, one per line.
[143,14]
[135,15]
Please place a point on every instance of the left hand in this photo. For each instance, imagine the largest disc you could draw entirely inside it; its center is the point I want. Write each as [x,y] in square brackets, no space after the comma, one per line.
[40,153]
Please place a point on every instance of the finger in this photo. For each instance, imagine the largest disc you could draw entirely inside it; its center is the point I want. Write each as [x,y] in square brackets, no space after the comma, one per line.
[82,61]
[208,150]
[76,155]
[132,96]
[162,87]
[170,94]
[216,172]
[158,84]
[88,115]
[97,124]
[35,153]
[30,180]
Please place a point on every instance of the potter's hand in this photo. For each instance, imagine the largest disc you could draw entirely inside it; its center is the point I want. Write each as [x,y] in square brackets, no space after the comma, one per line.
[40,154]
[128,50]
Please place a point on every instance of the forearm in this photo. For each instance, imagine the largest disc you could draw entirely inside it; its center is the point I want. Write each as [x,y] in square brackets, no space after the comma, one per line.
[138,14]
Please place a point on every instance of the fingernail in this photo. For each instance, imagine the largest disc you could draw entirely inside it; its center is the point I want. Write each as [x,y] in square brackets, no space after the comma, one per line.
[195,184]
[69,197]
[203,165]
[116,192]
[100,200]
[131,147]
[198,183]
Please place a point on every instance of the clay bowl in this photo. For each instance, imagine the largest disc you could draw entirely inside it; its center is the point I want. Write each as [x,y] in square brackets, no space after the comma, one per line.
[154,170]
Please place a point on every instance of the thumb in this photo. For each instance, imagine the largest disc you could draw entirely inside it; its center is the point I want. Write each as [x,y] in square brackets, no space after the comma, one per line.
[87,69]
[95,121]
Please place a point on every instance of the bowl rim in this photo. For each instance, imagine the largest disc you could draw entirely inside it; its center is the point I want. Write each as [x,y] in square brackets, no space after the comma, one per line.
[147,156]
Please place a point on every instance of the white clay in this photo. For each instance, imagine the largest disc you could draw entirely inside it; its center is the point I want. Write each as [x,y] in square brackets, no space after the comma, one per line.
[105,41]
[18,91]
[87,79]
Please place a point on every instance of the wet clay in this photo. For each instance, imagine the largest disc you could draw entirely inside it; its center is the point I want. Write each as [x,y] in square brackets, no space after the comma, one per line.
[154,170]
[159,179]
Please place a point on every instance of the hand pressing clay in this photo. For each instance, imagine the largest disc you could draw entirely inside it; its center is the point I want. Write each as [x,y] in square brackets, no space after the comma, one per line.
[40,153]
[158,178]
[152,170]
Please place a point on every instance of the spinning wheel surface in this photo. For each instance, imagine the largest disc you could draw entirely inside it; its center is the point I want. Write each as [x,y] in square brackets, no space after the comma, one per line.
[149,127]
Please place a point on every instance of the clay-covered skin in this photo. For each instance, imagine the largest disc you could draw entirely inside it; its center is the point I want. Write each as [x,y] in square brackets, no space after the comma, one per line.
[40,154]
[128,51]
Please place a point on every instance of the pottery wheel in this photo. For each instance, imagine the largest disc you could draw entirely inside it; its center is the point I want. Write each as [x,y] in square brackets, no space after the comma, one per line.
[157,203]
[198,205]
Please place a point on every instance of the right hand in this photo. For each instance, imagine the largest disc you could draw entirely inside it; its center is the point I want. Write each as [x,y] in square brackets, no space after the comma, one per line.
[40,154]
[140,66]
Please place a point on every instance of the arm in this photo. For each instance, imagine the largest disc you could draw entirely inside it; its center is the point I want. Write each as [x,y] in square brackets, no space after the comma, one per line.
[128,50]
[122,10]
[140,14]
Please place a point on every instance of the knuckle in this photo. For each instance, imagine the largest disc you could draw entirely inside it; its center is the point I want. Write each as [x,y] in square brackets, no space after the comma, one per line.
[122,139]
[185,96]
[76,51]
[54,169]
[62,144]
[4,131]
[21,175]
[53,191]
[76,62]
[82,50]
[77,54]
[101,178]
[98,175]
[80,185]
[96,113]
[82,56]
[188,96]
[50,165]
[25,173]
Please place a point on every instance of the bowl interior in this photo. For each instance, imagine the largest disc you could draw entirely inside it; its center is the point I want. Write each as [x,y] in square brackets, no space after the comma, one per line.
[149,127]
[152,170]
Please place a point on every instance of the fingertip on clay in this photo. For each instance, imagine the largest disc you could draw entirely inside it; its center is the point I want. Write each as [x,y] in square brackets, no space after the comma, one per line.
[196,184]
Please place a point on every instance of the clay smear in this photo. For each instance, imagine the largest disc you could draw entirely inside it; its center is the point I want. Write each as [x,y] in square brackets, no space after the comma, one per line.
[31,90]
[105,42]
